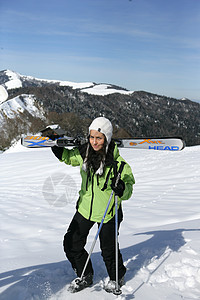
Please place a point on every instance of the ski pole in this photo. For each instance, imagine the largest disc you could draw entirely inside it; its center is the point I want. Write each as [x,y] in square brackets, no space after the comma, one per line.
[117,289]
[96,236]
[101,224]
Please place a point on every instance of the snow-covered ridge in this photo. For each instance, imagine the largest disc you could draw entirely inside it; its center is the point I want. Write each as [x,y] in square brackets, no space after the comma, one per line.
[12,80]
[15,80]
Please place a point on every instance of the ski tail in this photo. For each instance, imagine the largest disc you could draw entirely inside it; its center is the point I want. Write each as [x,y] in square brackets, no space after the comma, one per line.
[153,143]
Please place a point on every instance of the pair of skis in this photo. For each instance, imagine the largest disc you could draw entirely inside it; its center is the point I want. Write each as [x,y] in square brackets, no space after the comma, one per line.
[162,143]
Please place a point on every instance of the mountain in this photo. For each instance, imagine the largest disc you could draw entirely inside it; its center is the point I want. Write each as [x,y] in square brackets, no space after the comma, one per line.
[13,80]
[28,104]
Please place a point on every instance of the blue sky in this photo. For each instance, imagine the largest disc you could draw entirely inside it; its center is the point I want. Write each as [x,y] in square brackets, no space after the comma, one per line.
[151,45]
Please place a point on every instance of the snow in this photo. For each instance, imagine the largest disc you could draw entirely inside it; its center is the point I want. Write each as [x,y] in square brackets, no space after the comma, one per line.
[14,80]
[87,87]
[104,89]
[53,126]
[19,104]
[184,99]
[159,236]
[76,85]
[3,94]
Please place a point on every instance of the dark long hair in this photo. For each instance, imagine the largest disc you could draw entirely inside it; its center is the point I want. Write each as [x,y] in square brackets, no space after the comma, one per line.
[94,158]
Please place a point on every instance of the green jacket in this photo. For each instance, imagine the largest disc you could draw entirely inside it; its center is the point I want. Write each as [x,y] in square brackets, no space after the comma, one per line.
[92,200]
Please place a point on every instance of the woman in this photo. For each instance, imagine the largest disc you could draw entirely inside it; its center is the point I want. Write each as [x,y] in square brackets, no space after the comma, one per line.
[96,160]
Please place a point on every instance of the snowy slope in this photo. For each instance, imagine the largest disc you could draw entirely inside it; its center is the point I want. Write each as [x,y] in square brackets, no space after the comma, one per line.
[20,104]
[14,80]
[159,237]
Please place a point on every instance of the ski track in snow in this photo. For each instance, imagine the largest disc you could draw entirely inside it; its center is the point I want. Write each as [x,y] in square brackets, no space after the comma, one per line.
[159,237]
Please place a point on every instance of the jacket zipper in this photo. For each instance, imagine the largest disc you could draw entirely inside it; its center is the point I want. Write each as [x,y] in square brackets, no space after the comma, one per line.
[92,196]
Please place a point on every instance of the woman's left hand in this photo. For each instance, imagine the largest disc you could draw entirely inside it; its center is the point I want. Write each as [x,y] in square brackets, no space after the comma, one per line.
[119,188]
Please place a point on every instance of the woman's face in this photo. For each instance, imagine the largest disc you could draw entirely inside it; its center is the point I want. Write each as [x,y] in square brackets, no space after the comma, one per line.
[96,140]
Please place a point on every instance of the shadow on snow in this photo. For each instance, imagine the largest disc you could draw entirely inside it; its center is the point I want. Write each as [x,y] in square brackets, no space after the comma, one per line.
[43,281]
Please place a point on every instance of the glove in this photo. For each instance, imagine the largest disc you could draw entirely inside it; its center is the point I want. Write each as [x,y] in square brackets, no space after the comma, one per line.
[119,189]
[53,137]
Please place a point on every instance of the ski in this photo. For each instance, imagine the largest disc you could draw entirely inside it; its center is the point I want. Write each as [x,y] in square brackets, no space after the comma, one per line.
[162,143]
[33,141]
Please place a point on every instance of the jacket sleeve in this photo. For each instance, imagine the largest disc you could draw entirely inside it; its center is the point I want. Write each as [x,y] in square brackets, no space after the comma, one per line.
[71,157]
[57,151]
[128,178]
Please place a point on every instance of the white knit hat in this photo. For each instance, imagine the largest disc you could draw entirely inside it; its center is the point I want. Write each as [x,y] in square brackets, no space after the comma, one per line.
[104,126]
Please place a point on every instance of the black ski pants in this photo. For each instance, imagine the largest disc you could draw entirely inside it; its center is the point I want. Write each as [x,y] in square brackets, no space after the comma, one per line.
[75,240]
